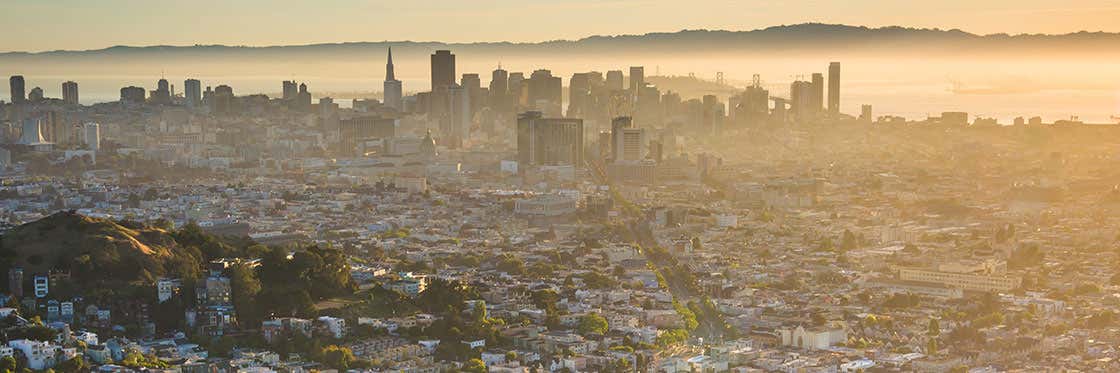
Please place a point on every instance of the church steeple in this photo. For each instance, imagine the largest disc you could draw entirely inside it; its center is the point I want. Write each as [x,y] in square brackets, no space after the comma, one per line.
[389,75]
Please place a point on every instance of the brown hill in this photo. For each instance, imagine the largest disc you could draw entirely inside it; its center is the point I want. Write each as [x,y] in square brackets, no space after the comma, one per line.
[97,252]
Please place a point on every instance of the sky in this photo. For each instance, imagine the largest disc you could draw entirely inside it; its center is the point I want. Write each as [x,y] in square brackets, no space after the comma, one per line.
[94,24]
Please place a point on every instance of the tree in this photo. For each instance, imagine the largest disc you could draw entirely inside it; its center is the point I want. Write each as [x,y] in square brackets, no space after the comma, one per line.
[475,366]
[934,328]
[245,286]
[593,323]
[77,364]
[7,364]
[338,357]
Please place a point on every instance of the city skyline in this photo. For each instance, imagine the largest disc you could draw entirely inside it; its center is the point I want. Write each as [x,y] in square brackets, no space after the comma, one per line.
[80,26]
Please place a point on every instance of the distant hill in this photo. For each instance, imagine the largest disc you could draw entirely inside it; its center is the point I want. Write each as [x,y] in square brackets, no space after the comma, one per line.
[808,37]
[96,252]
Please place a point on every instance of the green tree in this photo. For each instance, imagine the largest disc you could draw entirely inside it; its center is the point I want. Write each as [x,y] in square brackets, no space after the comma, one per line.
[475,366]
[593,323]
[77,364]
[338,357]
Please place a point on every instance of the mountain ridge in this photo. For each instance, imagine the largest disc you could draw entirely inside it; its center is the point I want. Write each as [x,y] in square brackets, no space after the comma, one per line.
[803,33]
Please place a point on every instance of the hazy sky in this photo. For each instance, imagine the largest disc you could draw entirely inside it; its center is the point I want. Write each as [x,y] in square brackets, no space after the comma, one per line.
[36,25]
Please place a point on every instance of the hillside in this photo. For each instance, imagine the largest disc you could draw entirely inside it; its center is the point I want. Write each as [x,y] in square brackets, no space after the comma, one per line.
[97,252]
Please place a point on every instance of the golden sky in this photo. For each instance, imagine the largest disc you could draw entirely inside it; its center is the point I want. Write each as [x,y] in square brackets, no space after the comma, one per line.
[32,25]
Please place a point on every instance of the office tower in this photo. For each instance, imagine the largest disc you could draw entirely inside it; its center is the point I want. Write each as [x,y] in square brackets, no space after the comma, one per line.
[91,136]
[290,90]
[222,100]
[35,95]
[15,282]
[193,90]
[753,105]
[303,98]
[614,80]
[516,90]
[647,105]
[865,115]
[133,94]
[17,86]
[472,83]
[70,92]
[32,132]
[637,78]
[801,99]
[579,95]
[162,94]
[617,125]
[629,144]
[355,130]
[548,141]
[459,114]
[443,69]
[499,90]
[816,101]
[545,93]
[392,88]
[712,114]
[834,88]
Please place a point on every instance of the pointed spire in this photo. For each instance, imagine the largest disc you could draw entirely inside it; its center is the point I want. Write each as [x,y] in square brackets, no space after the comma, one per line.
[389,75]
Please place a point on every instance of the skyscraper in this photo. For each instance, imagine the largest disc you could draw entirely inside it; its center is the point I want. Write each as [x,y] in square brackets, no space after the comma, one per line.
[816,100]
[545,93]
[549,141]
[834,88]
[443,69]
[162,94]
[70,92]
[19,94]
[193,90]
[290,90]
[499,87]
[133,94]
[472,83]
[637,78]
[392,88]
[614,80]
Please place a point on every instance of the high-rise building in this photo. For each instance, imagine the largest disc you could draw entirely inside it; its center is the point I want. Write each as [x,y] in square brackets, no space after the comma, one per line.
[193,90]
[70,92]
[617,125]
[545,93]
[548,141]
[472,83]
[499,90]
[865,114]
[816,100]
[443,69]
[614,80]
[19,94]
[162,94]
[35,95]
[834,88]
[291,89]
[91,136]
[579,94]
[392,88]
[801,99]
[637,78]
[632,145]
[133,94]
[517,90]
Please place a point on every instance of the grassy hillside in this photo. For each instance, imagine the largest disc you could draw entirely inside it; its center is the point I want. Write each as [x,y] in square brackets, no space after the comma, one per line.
[97,252]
